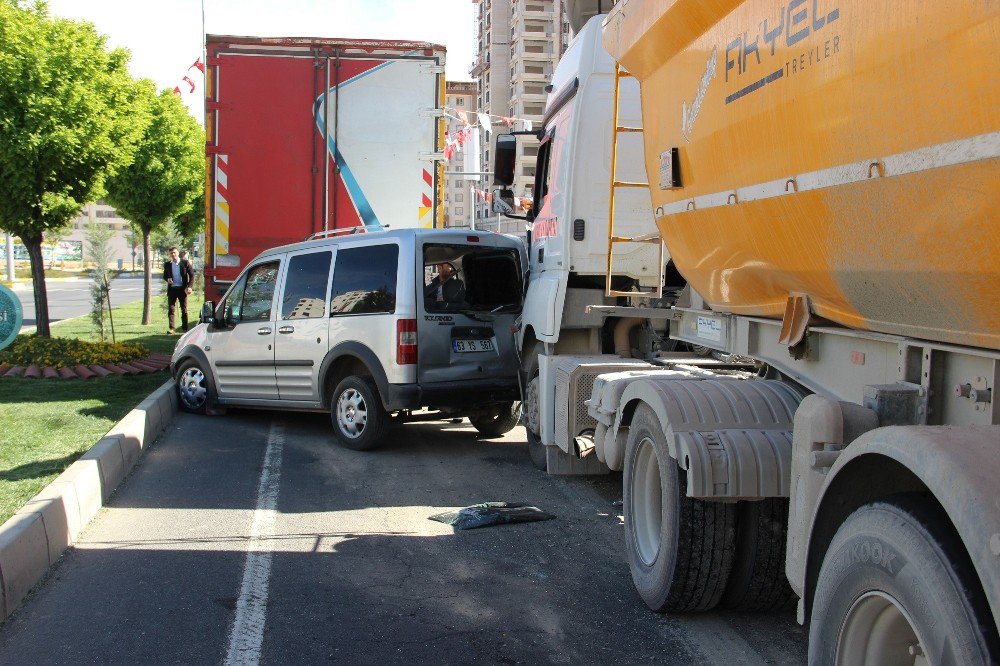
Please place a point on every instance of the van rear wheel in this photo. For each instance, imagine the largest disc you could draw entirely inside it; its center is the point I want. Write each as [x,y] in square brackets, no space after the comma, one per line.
[497,420]
[359,420]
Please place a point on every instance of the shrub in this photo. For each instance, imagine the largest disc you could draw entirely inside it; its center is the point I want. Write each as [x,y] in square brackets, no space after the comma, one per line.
[62,352]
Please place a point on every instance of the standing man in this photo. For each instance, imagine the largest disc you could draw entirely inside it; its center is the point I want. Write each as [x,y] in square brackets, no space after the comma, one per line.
[179,276]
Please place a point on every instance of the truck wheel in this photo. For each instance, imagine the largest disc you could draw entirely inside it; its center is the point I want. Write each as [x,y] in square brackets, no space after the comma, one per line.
[498,420]
[529,409]
[194,388]
[758,582]
[897,587]
[359,420]
[680,550]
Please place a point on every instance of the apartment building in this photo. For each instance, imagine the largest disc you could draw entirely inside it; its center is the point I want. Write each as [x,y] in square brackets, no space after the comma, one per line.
[519,43]
[459,189]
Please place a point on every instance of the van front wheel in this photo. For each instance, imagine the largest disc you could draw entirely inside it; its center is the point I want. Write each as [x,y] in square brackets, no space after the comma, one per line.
[359,420]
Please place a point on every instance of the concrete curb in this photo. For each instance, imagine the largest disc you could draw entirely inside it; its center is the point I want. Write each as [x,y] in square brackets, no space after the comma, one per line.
[35,537]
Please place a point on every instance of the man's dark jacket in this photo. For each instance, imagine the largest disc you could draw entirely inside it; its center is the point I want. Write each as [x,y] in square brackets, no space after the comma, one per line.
[187,273]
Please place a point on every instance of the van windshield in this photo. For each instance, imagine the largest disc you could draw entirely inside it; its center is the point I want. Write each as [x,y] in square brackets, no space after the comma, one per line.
[462,278]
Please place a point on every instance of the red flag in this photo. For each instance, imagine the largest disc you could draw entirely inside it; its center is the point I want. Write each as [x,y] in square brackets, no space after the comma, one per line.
[177,91]
[198,65]
[189,82]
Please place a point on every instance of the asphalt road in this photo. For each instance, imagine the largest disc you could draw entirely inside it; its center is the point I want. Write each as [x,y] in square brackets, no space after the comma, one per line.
[71,298]
[251,537]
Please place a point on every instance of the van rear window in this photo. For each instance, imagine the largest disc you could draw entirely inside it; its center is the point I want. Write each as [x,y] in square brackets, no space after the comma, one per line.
[364,280]
[466,278]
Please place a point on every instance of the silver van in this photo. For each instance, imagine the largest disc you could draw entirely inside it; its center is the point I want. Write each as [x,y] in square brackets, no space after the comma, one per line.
[369,327]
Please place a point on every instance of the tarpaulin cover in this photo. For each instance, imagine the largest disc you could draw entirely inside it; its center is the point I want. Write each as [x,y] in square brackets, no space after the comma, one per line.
[491,513]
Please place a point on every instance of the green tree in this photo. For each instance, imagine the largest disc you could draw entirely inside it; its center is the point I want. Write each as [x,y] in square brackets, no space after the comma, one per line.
[167,174]
[69,117]
[100,253]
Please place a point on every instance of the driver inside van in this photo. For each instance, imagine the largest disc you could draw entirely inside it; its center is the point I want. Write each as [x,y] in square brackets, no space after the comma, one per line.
[446,288]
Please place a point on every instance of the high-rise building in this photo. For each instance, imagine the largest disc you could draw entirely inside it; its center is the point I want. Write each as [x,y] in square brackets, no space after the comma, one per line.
[459,190]
[518,44]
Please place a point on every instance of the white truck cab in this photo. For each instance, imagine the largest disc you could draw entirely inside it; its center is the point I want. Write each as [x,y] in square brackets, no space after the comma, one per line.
[567,225]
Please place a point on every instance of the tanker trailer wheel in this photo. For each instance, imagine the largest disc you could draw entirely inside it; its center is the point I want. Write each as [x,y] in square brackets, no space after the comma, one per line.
[529,409]
[896,587]
[680,550]
[758,582]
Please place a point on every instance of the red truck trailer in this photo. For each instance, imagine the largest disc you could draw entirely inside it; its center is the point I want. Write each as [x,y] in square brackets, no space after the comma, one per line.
[305,135]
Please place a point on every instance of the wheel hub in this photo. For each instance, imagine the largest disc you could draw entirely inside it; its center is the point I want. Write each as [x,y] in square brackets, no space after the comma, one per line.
[352,413]
[646,506]
[877,630]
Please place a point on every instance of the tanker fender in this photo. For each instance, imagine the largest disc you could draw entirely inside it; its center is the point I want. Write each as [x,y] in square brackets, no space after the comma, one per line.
[733,437]
[958,466]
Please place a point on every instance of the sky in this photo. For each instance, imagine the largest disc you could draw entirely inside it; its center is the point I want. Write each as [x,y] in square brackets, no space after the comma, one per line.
[165,36]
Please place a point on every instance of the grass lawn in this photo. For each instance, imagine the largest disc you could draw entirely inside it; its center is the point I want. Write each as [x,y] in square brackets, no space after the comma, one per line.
[46,424]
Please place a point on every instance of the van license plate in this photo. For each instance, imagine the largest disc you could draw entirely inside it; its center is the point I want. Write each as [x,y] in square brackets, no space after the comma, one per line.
[472,345]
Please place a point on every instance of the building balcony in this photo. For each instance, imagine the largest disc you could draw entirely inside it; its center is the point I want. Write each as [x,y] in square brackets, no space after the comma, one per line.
[532,15]
[519,98]
[520,57]
[480,65]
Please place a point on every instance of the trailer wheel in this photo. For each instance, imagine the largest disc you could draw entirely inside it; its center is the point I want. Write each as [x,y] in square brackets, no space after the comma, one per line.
[680,550]
[758,582]
[529,409]
[896,587]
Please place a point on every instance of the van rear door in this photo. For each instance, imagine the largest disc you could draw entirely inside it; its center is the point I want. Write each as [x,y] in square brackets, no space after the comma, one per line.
[464,323]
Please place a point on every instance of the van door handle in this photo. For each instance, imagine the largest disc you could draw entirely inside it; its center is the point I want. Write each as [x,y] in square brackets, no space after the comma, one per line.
[264,330]
[286,329]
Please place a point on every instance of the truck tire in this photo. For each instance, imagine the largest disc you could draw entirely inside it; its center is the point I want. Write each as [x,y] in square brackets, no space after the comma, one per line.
[529,409]
[194,388]
[359,420]
[757,582]
[680,550]
[896,582]
[498,420]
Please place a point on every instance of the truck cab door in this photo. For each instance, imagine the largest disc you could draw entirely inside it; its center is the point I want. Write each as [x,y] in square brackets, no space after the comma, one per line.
[242,348]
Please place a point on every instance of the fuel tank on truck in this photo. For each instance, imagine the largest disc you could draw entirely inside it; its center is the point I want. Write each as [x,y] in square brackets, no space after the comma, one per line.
[841,149]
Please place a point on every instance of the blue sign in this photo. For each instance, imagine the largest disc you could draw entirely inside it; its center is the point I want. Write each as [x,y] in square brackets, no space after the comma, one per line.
[10,316]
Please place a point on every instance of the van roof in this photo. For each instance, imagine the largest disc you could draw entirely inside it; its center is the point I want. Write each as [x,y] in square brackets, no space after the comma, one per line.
[453,235]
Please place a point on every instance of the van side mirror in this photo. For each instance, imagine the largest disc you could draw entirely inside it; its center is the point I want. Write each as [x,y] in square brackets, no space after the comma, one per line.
[207,315]
[504,157]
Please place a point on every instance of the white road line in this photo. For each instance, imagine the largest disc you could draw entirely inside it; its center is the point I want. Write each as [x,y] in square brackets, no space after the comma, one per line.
[247,634]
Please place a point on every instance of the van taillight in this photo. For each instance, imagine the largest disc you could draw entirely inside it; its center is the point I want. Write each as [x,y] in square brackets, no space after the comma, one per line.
[406,341]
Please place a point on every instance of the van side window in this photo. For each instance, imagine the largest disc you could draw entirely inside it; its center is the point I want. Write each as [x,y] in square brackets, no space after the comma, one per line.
[305,286]
[259,292]
[233,304]
[364,280]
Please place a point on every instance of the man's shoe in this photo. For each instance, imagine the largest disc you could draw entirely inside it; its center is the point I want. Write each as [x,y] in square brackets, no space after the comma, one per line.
[170,331]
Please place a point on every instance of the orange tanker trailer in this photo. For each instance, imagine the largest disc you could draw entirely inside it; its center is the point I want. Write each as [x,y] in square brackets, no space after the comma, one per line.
[842,150]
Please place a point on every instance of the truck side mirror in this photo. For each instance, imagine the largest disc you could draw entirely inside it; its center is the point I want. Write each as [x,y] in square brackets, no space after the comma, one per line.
[503,160]
[207,315]
[503,201]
